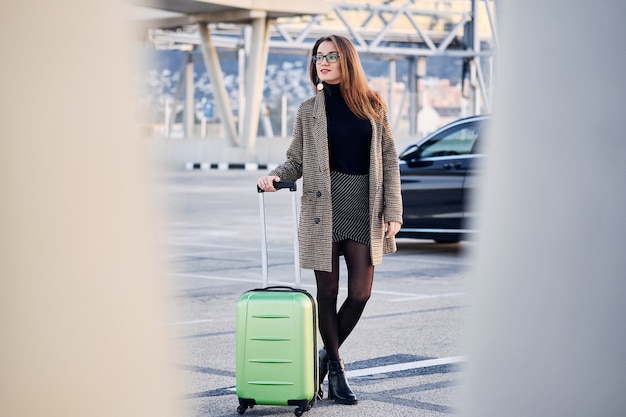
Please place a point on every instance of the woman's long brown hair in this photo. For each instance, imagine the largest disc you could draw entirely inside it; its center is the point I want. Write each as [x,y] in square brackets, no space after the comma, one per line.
[362,100]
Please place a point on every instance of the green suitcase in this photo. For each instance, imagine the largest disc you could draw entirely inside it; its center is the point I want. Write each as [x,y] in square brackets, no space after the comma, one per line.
[276,342]
[276,348]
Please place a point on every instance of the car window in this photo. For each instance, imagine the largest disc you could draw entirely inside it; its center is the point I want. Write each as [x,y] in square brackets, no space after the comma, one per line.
[455,141]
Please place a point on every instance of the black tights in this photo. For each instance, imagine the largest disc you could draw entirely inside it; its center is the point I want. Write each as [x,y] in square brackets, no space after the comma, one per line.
[335,326]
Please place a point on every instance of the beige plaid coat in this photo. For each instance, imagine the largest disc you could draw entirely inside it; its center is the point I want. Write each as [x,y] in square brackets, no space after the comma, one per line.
[307,158]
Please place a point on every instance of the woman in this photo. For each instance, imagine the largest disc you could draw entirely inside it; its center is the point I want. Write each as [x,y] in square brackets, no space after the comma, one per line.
[351,205]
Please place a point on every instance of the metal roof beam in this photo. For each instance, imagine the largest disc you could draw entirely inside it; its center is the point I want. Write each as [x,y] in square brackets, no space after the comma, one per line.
[395,26]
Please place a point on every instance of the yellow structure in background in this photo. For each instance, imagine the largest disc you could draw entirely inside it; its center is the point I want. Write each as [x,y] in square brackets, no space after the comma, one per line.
[437,24]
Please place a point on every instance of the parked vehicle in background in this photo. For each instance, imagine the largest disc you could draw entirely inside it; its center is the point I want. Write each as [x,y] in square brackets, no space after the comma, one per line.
[438,180]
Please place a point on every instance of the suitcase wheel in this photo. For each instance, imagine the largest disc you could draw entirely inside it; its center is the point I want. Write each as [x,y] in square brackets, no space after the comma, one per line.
[242,409]
[303,406]
[244,405]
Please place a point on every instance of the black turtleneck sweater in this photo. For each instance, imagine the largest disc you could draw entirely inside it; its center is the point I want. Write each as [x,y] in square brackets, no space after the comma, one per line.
[349,138]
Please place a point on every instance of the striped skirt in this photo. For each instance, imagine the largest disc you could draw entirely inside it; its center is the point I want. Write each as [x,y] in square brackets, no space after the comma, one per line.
[350,202]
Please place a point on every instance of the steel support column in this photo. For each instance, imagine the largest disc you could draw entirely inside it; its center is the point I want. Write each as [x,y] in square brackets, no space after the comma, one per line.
[189,97]
[421,73]
[417,70]
[257,64]
[392,81]
[212,63]
[412,93]
[241,82]
[475,62]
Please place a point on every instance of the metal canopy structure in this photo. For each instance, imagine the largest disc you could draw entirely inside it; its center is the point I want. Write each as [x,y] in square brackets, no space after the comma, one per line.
[393,29]
[259,16]
[188,12]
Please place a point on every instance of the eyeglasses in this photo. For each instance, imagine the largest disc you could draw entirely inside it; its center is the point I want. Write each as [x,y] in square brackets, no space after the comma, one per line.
[330,58]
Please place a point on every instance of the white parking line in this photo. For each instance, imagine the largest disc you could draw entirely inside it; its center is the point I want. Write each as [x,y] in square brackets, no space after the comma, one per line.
[377,370]
[427,296]
[216,278]
[405,296]
[405,366]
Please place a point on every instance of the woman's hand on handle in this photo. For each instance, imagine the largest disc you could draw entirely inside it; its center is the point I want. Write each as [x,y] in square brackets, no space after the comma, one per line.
[391,228]
[266,183]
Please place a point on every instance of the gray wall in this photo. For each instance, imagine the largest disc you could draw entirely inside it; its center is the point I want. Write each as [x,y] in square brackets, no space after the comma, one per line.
[546,332]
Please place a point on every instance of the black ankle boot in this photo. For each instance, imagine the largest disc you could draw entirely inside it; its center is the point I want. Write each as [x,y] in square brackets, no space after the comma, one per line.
[338,387]
[323,370]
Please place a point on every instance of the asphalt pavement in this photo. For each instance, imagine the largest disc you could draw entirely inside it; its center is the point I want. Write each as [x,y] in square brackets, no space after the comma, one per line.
[405,357]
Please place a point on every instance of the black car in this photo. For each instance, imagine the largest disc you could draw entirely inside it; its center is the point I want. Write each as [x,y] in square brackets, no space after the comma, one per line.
[437,175]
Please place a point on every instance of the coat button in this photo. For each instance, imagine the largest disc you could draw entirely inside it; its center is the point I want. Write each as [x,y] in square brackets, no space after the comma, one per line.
[319,193]
[316,220]
[380,215]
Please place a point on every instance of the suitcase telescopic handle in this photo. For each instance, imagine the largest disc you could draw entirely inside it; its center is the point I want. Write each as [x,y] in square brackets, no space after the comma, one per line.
[291,185]
[279,185]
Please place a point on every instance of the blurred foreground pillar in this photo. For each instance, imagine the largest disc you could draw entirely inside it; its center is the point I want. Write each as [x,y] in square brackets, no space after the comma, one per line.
[81,313]
[546,335]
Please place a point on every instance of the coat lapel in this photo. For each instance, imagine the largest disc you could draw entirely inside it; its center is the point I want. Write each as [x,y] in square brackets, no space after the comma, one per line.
[320,135]
[375,156]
